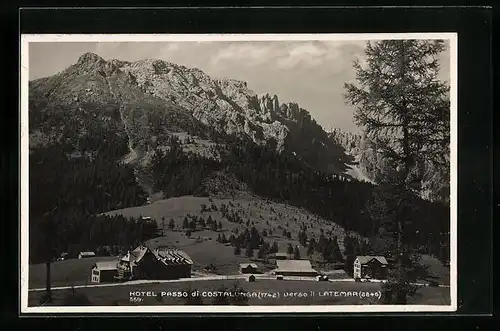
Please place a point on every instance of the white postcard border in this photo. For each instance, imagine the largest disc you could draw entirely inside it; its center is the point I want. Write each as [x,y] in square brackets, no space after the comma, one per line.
[24,226]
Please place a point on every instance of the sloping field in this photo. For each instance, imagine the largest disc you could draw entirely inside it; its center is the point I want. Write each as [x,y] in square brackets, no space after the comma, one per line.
[273,217]
[264,215]
[205,250]
[69,272]
[202,246]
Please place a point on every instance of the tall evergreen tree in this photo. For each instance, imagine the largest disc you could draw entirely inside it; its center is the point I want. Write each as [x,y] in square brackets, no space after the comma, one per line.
[401,104]
[249,251]
[274,247]
[171,224]
[296,253]
[311,247]
[237,249]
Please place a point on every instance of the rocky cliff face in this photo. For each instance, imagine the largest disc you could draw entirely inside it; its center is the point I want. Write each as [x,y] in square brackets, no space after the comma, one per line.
[156,98]
[432,181]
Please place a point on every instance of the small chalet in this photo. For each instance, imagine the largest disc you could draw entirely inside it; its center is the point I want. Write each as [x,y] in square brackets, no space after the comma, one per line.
[248,268]
[104,271]
[83,255]
[300,268]
[370,267]
[146,263]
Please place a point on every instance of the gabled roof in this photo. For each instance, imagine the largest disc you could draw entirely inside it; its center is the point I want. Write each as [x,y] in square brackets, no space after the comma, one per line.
[136,255]
[294,265]
[106,265]
[167,256]
[246,265]
[87,253]
[367,258]
[172,256]
[139,253]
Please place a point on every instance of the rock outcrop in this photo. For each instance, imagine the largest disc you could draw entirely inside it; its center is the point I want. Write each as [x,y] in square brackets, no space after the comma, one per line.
[146,91]
[431,181]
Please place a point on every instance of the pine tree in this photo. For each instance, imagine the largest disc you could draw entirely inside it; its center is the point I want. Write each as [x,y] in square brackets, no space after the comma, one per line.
[311,246]
[249,251]
[254,238]
[321,244]
[192,225]
[337,254]
[202,222]
[237,249]
[261,253]
[232,239]
[401,104]
[274,247]
[296,253]
[350,253]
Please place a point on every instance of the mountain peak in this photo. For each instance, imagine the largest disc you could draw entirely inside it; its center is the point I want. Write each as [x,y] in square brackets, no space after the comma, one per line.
[90,58]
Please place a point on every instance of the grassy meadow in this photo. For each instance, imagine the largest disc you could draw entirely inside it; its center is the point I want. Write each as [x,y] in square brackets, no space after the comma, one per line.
[120,295]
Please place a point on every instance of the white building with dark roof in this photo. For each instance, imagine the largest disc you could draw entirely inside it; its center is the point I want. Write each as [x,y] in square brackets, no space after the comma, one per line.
[370,267]
[146,263]
[248,268]
[104,271]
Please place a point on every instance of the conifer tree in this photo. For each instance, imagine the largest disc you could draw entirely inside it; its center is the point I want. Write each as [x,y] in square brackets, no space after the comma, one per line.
[403,106]
[296,253]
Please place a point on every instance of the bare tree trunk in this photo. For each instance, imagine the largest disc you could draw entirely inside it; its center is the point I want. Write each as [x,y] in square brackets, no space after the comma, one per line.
[401,291]
[47,282]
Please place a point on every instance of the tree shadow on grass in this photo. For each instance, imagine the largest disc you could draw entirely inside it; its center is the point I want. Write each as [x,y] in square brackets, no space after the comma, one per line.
[74,298]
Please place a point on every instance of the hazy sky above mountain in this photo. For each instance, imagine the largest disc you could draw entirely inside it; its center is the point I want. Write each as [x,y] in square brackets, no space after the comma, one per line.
[311,73]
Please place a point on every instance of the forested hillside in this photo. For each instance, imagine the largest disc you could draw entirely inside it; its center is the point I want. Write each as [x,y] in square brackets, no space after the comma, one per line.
[85,121]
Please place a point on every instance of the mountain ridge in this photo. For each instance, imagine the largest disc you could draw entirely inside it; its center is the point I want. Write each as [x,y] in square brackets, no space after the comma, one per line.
[225,105]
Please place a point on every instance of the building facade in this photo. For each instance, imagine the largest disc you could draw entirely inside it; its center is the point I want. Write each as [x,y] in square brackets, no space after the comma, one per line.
[104,271]
[248,268]
[144,263]
[370,267]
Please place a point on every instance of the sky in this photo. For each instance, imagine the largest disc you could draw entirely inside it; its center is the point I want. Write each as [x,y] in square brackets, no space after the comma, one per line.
[310,73]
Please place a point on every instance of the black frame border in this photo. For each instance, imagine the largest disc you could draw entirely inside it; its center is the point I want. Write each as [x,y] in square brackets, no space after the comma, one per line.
[475,100]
